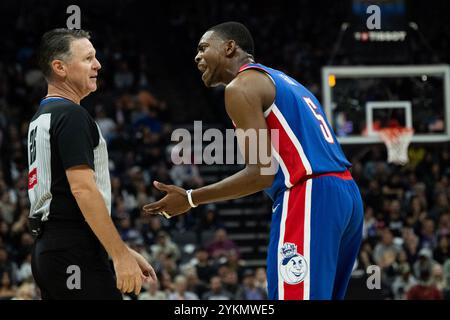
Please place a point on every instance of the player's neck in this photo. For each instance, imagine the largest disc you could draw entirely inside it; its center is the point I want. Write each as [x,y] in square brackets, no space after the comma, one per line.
[62,90]
[233,71]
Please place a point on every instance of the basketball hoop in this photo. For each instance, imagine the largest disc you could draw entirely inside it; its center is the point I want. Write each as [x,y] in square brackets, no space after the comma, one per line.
[397,141]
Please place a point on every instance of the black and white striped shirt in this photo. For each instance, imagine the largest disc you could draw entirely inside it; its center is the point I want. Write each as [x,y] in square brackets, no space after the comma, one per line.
[62,135]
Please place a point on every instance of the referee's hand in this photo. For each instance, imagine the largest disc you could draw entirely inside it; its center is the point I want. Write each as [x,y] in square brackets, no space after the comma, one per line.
[128,273]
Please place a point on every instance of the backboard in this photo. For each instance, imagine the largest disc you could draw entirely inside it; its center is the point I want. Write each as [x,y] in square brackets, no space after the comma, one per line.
[359,100]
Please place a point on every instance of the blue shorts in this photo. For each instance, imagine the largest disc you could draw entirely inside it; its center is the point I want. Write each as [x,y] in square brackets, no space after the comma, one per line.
[315,236]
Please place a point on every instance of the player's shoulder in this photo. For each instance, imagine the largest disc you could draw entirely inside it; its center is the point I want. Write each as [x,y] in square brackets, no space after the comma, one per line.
[250,81]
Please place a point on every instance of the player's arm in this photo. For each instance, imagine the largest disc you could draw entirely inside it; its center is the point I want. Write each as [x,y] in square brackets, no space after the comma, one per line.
[245,98]
[244,101]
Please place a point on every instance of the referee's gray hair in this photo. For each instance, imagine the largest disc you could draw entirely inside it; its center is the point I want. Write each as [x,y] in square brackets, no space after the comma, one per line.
[55,44]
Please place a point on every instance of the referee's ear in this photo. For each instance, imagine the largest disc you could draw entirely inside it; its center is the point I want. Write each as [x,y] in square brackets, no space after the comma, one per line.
[58,69]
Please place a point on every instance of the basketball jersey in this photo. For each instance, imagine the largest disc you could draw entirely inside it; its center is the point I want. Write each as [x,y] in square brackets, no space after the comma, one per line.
[305,144]
[62,135]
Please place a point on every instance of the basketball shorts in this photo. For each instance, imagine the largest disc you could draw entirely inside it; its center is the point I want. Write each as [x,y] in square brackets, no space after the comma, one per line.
[315,236]
[71,264]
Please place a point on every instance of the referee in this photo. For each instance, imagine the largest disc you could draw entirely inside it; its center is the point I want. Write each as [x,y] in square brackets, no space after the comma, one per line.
[69,185]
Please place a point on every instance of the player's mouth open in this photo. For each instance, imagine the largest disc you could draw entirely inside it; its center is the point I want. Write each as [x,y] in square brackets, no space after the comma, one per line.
[202,69]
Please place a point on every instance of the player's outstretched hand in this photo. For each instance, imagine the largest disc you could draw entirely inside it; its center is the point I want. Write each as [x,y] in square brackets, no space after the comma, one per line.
[174,203]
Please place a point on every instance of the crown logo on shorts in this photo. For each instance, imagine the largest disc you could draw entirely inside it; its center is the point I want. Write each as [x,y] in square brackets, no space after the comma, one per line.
[288,250]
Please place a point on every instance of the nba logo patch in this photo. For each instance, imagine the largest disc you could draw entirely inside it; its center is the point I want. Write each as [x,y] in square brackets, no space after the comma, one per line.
[293,266]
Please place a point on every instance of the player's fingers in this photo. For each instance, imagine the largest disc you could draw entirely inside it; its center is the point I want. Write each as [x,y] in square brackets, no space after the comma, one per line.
[152,274]
[161,186]
[153,211]
[144,278]
[152,207]
[119,283]
[137,284]
[130,285]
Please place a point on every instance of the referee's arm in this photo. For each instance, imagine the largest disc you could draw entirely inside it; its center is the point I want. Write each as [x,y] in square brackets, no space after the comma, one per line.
[91,203]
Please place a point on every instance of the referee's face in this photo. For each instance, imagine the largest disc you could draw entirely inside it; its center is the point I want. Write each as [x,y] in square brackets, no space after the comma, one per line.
[82,67]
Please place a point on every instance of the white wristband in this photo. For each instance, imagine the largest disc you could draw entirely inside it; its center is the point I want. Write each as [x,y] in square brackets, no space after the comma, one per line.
[189,196]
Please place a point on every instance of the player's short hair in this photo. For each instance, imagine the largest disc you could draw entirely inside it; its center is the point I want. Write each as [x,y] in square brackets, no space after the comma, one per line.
[55,44]
[235,31]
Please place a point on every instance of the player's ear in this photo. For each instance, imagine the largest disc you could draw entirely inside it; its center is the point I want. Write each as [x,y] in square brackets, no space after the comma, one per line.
[230,47]
[58,68]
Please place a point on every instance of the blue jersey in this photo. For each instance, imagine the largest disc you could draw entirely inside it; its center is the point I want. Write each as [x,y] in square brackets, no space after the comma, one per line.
[306,144]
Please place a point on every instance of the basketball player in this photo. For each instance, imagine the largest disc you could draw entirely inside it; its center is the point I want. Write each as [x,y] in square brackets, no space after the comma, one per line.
[317,215]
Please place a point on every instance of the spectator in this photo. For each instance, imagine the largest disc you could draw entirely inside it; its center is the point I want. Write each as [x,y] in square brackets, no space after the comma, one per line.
[167,285]
[203,266]
[180,292]
[123,78]
[152,292]
[444,224]
[185,175]
[7,207]
[424,290]
[221,245]
[216,291]
[403,282]
[7,266]
[165,245]
[194,284]
[370,223]
[209,220]
[437,277]
[442,252]
[7,289]
[26,291]
[230,282]
[446,272]
[24,273]
[427,236]
[424,262]
[249,289]
[261,279]
[106,124]
[386,244]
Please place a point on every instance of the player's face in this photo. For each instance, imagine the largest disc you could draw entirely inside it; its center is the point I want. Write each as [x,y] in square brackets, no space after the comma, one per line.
[209,59]
[82,67]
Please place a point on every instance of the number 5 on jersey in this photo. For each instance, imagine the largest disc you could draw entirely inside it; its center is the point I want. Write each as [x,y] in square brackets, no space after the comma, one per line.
[323,124]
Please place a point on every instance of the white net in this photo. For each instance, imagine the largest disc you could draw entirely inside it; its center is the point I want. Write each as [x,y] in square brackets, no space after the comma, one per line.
[397,141]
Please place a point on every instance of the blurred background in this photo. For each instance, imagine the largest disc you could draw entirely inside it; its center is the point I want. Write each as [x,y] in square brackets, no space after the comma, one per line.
[149,86]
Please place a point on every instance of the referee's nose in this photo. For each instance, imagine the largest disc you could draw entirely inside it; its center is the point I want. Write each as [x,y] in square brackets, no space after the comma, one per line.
[97,65]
